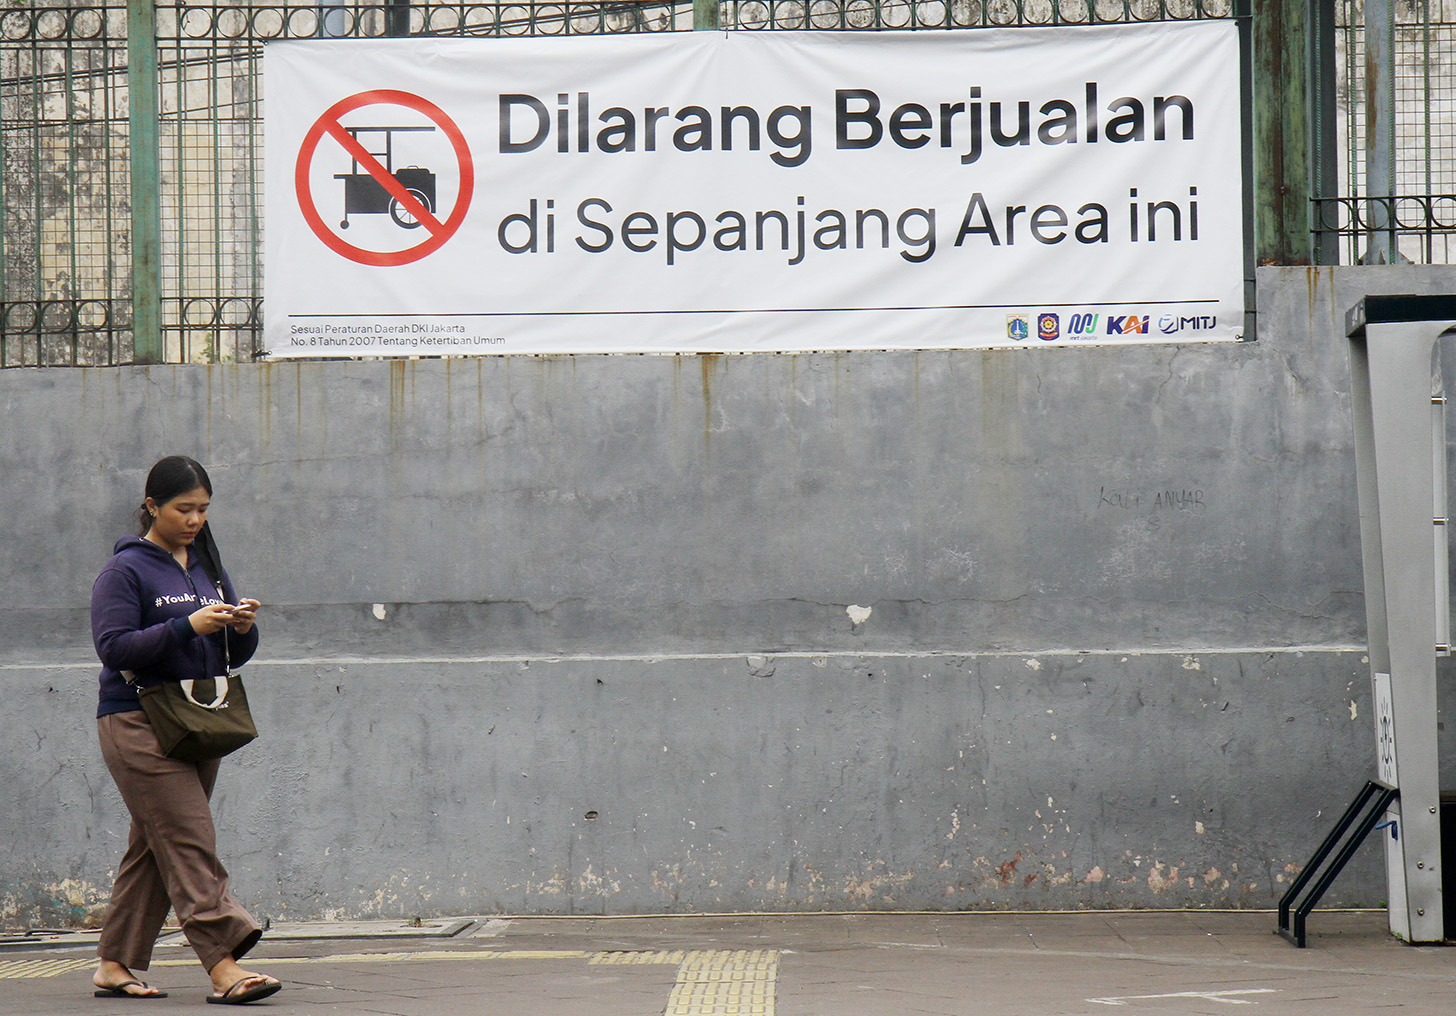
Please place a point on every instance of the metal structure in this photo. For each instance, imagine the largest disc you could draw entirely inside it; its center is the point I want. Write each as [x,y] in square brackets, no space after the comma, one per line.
[1363,816]
[1398,407]
[107,233]
[1383,154]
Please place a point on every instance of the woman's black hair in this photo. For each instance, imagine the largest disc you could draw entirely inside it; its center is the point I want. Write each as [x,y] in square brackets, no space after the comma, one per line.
[171,477]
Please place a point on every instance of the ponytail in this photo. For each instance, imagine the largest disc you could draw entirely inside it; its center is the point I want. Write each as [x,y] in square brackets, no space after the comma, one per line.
[206,548]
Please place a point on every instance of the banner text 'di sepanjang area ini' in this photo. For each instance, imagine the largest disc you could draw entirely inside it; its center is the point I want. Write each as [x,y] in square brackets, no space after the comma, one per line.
[754,192]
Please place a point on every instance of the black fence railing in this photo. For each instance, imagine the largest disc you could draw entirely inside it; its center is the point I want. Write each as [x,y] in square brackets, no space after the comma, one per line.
[65,208]
[1416,228]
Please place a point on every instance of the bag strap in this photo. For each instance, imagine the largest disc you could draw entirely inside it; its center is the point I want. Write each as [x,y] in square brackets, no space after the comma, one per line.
[227,661]
[227,658]
[221,692]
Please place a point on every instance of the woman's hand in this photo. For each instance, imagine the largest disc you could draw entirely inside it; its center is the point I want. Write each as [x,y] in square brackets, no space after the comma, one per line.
[211,618]
[244,614]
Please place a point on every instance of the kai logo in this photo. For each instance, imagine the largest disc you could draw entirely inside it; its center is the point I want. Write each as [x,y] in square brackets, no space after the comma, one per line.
[1048,327]
[1127,324]
[1018,327]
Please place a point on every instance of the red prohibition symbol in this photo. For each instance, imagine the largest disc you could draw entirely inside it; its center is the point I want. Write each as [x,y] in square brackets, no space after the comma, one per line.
[407,203]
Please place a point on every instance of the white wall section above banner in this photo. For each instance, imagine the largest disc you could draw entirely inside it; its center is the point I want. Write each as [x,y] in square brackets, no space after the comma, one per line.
[742,192]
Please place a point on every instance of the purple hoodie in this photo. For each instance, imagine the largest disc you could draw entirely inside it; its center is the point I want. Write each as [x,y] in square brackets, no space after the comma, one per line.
[139,609]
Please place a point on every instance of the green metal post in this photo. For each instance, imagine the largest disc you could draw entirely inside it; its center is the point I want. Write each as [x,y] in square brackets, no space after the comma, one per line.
[1281,133]
[143,125]
[705,15]
[1324,155]
[1380,134]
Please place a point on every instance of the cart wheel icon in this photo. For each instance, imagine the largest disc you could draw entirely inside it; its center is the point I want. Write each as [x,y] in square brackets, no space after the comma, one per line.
[402,216]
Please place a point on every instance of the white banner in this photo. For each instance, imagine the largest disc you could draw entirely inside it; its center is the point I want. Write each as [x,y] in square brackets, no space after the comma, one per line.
[734,192]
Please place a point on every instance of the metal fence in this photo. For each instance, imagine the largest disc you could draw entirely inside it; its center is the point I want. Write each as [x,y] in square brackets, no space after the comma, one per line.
[66,234]
[1419,213]
[64,293]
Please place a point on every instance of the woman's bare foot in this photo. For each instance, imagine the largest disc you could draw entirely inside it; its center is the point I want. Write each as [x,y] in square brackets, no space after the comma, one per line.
[231,982]
[112,977]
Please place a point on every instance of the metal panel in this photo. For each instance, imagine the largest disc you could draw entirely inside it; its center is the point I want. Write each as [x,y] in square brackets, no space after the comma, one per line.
[1391,366]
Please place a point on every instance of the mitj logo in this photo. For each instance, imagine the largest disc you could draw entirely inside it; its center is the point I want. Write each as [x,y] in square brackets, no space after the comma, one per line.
[384,177]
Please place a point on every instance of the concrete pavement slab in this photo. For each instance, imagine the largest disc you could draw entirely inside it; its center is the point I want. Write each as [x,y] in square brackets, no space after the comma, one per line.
[282,931]
[1085,964]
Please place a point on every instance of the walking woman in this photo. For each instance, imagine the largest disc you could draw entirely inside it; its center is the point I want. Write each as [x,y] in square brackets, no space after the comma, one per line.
[156,616]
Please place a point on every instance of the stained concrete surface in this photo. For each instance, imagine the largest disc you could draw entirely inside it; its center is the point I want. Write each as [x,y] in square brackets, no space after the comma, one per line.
[960,630]
[1160,964]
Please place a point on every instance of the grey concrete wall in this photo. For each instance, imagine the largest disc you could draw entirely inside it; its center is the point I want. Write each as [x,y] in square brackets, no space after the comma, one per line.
[1031,628]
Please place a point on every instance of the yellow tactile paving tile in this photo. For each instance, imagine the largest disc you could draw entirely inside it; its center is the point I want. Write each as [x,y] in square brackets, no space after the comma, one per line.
[737,982]
[710,982]
[43,968]
[51,968]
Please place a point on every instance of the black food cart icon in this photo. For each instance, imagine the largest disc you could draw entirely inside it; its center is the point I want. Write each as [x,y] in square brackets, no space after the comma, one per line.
[366,195]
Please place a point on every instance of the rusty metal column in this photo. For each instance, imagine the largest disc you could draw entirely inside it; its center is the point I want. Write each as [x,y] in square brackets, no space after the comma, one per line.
[1281,133]
[143,126]
[1392,346]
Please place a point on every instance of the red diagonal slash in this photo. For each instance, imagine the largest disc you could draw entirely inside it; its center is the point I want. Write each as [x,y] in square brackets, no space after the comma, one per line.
[386,179]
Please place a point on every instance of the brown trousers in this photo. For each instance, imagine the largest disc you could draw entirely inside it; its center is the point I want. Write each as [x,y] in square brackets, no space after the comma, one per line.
[171,855]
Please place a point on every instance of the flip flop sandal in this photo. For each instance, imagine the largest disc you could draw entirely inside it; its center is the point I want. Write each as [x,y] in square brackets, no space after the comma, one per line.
[119,991]
[243,997]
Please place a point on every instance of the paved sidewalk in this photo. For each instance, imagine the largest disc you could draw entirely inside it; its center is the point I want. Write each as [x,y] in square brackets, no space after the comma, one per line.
[1159,964]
